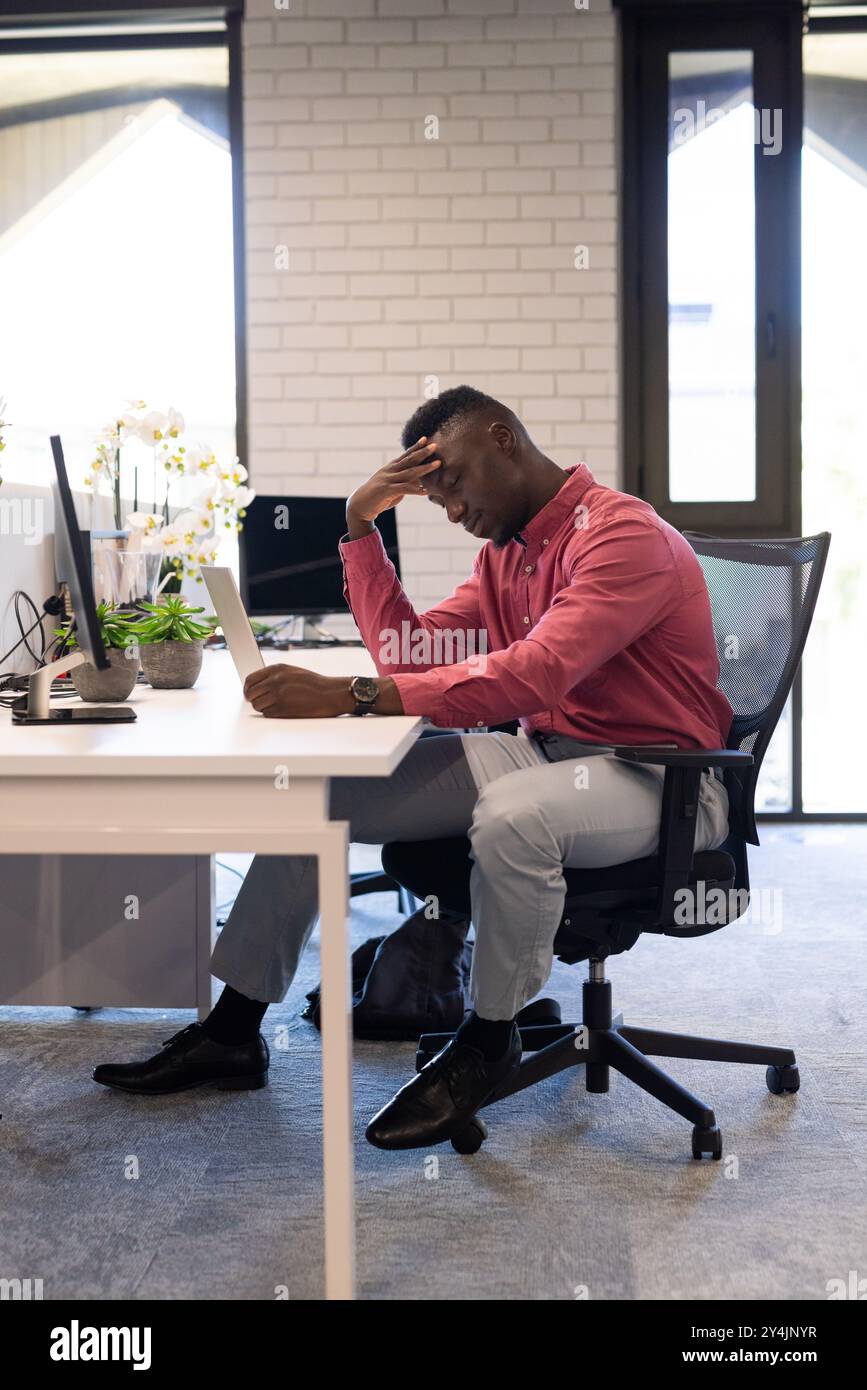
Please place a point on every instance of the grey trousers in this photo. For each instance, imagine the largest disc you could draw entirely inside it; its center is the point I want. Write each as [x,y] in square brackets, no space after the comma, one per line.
[526,818]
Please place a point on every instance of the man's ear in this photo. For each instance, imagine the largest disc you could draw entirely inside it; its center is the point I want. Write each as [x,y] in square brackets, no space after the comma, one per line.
[503,436]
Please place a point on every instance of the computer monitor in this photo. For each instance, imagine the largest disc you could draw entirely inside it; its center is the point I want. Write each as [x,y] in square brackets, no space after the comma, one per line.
[72,563]
[90,646]
[290,562]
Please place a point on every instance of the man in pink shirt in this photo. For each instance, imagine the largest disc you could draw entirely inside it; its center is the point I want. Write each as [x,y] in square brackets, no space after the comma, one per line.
[586,618]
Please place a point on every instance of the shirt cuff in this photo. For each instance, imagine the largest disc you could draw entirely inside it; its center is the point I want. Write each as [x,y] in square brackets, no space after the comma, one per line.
[366,555]
[422,695]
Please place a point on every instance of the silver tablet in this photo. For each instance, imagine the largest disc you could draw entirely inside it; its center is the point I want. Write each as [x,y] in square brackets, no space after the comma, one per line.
[220,583]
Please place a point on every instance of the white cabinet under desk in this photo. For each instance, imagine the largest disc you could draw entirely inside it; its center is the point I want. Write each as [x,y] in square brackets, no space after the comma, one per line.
[116,931]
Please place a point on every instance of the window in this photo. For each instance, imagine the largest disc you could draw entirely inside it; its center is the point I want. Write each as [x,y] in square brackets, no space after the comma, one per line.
[712,129]
[835,412]
[116,239]
[711,277]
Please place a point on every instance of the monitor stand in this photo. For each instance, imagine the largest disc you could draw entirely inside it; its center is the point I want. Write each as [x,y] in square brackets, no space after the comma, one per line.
[38,710]
[311,629]
[307,631]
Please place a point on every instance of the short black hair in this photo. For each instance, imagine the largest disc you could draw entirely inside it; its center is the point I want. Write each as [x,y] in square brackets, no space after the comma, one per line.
[435,413]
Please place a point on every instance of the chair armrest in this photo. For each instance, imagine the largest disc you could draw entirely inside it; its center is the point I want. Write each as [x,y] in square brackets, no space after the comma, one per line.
[685,757]
[679,811]
[680,794]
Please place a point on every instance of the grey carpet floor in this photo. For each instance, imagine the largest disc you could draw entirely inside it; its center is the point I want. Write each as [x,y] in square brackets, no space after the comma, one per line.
[572,1195]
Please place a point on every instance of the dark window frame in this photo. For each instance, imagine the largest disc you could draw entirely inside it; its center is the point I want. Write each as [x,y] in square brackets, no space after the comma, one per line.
[649,33]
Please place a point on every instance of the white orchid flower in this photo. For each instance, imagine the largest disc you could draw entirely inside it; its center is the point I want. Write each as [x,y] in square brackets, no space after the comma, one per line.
[174,422]
[198,459]
[152,426]
[193,522]
[172,540]
[109,436]
[234,476]
[201,499]
[144,521]
[236,499]
[3,423]
[207,461]
[192,455]
[175,463]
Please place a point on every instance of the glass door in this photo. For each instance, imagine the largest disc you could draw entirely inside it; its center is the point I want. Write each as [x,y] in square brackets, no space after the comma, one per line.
[834,172]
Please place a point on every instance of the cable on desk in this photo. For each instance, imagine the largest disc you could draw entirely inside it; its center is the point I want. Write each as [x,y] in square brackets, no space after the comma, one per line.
[14,681]
[18,597]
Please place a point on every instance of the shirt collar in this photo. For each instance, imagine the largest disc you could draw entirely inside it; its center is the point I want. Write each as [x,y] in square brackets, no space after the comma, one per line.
[547,522]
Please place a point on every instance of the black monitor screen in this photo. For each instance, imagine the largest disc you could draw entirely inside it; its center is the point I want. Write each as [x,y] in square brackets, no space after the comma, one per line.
[79,578]
[290,562]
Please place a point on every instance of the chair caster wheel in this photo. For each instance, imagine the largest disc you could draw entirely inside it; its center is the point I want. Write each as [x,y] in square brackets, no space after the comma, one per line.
[783,1080]
[471,1139]
[707,1141]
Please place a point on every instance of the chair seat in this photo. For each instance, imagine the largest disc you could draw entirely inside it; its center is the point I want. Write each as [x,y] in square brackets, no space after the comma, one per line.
[606,910]
[710,865]
[441,869]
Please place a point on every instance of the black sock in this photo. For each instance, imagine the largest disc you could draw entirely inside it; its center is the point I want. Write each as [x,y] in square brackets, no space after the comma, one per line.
[490,1036]
[234,1018]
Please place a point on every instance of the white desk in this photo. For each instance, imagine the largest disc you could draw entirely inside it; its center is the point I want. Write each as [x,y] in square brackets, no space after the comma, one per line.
[199,772]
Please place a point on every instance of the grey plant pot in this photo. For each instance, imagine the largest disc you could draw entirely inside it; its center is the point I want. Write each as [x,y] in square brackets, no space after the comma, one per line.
[106,687]
[172,665]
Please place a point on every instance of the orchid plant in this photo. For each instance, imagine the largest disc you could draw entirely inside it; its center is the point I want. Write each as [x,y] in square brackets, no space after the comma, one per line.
[188,539]
[154,429]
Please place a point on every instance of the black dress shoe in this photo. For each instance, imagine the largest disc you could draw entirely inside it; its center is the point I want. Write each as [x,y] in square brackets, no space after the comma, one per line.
[439,1102]
[191,1059]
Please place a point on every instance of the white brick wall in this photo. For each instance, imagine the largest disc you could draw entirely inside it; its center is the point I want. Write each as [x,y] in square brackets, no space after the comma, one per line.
[411,257]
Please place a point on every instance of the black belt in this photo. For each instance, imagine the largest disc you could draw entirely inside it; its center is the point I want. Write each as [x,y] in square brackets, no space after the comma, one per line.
[558,747]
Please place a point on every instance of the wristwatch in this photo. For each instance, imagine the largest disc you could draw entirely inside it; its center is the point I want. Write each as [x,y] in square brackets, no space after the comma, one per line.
[364,690]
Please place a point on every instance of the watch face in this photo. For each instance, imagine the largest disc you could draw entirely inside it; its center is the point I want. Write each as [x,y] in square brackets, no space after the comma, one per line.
[365,689]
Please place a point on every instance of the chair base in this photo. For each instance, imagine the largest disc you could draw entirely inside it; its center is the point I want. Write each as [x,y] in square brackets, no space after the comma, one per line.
[603,1041]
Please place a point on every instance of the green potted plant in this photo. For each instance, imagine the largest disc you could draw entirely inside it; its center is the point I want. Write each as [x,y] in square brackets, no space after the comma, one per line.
[171,642]
[118,638]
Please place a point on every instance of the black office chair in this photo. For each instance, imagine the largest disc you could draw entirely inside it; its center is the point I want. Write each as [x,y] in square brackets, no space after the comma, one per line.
[366,881]
[763,595]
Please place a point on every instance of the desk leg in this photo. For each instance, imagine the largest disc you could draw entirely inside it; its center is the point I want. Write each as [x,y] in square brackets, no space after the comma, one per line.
[206,931]
[338,1146]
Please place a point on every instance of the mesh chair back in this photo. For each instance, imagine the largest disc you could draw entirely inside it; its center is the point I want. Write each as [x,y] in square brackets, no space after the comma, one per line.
[762,595]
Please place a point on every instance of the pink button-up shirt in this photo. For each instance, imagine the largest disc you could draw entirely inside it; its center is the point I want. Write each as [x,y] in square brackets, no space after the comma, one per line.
[597,627]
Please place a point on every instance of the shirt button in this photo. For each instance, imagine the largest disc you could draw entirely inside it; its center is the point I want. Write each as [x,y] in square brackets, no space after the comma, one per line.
[528,569]
[480,723]
[526,620]
[544,542]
